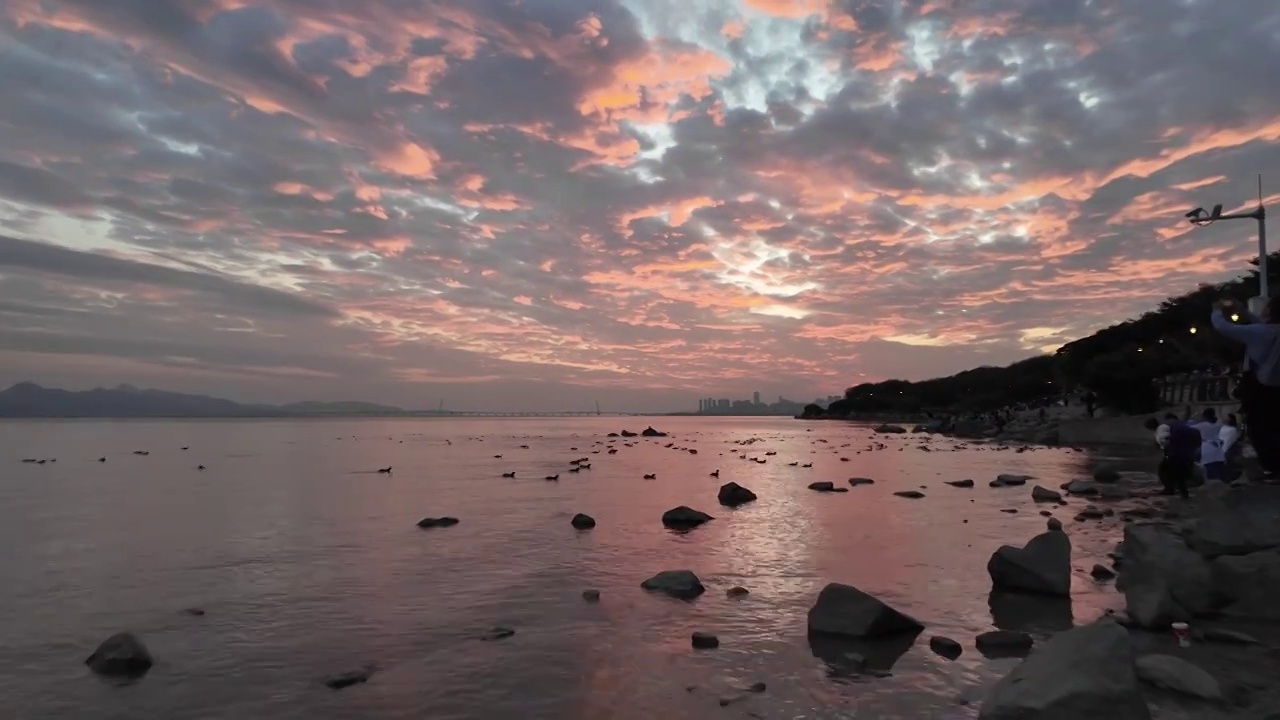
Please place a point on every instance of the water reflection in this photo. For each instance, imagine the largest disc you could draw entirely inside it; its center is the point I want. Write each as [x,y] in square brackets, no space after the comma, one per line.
[1027,613]
[849,657]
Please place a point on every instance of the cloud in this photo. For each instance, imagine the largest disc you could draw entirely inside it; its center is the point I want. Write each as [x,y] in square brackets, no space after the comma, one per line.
[638,202]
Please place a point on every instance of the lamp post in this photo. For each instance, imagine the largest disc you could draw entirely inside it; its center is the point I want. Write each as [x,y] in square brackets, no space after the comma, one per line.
[1200,218]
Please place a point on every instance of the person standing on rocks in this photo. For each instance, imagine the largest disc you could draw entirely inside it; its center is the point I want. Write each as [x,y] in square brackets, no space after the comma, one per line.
[1181,452]
[1212,457]
[1260,382]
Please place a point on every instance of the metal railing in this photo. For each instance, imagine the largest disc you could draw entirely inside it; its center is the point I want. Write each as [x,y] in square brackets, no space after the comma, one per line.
[1200,388]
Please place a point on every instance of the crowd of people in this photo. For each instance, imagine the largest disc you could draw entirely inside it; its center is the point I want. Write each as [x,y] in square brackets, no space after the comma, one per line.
[1208,447]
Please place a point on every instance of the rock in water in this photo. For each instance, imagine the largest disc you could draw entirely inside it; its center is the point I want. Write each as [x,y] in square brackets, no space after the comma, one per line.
[1044,494]
[945,647]
[437,522]
[1043,566]
[681,584]
[1004,643]
[732,495]
[583,521]
[650,432]
[1106,475]
[1083,673]
[1081,487]
[891,429]
[1162,579]
[120,654]
[967,483]
[1008,480]
[1173,673]
[737,591]
[1054,525]
[591,595]
[684,517]
[910,494]
[348,678]
[822,486]
[497,633]
[846,611]
[705,641]
[856,481]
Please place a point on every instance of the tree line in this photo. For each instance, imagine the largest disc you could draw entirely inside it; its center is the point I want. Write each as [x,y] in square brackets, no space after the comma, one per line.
[1120,364]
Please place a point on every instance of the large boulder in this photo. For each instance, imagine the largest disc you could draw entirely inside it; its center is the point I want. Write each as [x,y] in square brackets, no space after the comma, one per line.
[846,611]
[1177,675]
[1162,579]
[1086,672]
[732,495]
[684,517]
[1042,566]
[1247,586]
[120,654]
[682,584]
[1238,521]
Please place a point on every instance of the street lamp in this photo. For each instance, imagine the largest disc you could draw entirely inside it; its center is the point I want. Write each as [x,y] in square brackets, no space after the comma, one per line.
[1200,218]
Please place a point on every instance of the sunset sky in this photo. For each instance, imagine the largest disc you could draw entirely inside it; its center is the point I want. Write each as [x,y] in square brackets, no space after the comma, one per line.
[537,204]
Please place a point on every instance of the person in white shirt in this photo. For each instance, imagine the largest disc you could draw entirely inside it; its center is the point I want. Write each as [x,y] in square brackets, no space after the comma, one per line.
[1162,431]
[1212,456]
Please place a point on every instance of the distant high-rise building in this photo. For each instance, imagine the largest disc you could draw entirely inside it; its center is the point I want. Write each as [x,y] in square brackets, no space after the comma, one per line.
[755,398]
[724,404]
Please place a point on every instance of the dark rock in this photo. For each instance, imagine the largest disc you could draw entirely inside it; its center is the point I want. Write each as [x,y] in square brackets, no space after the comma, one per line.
[650,432]
[193,611]
[732,495]
[945,647]
[1054,525]
[582,521]
[846,611]
[437,522]
[627,433]
[1102,572]
[1113,492]
[890,429]
[1010,480]
[591,595]
[1106,475]
[348,678]
[822,486]
[737,591]
[1228,637]
[1081,487]
[684,517]
[960,483]
[497,633]
[1043,494]
[757,687]
[910,494]
[682,584]
[1042,566]
[705,641]
[856,481]
[1004,643]
[121,654]
[1086,672]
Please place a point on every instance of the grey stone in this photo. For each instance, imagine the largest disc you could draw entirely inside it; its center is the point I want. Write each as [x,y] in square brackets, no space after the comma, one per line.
[1004,642]
[121,654]
[681,584]
[1086,672]
[1007,480]
[844,610]
[1175,674]
[1044,494]
[1162,579]
[1081,487]
[1248,586]
[1238,521]
[1054,525]
[1042,566]
[1106,475]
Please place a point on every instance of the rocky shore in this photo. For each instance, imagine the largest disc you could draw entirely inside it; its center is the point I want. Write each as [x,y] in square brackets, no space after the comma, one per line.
[1212,562]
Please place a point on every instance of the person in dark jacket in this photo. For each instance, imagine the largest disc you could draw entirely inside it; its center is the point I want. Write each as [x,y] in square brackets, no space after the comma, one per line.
[1181,452]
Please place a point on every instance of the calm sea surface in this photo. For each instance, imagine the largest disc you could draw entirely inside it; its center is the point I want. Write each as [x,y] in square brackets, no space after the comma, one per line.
[309,563]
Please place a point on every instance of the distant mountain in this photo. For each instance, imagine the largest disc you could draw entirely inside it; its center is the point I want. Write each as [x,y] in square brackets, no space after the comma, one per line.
[27,399]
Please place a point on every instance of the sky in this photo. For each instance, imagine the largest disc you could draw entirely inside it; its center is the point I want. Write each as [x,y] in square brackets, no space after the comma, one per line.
[542,204]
